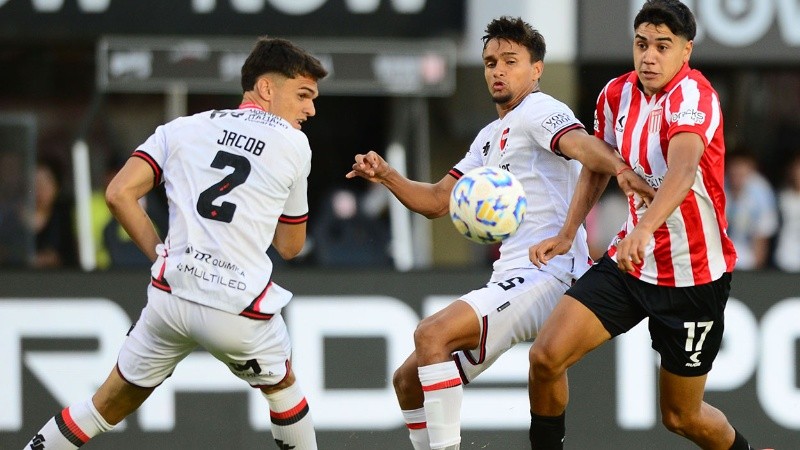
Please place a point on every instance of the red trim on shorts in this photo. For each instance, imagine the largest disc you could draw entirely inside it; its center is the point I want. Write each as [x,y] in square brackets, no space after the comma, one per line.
[481,346]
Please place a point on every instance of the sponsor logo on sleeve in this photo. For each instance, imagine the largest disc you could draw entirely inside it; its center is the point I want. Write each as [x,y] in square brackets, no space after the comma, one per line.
[556,122]
[688,117]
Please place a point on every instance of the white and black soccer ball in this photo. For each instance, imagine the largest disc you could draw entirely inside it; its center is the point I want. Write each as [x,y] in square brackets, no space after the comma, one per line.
[487,205]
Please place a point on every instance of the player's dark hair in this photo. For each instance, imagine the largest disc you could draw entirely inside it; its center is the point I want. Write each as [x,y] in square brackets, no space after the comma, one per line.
[273,55]
[516,30]
[672,13]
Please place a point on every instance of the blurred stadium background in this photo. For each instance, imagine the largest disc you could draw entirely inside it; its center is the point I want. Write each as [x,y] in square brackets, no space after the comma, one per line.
[83,82]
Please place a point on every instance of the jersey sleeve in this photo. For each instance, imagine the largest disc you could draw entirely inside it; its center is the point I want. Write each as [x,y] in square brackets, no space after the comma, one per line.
[604,117]
[154,152]
[474,156]
[694,108]
[296,208]
[549,122]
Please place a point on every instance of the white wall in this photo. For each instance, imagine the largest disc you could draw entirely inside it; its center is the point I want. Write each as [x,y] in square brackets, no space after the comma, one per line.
[556,20]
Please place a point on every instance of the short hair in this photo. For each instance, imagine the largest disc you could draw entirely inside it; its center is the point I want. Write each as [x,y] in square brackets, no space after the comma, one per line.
[672,13]
[274,55]
[516,30]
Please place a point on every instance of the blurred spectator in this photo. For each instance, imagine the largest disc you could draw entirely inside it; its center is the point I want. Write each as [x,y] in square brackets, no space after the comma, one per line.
[347,235]
[113,247]
[16,237]
[52,219]
[751,210]
[787,251]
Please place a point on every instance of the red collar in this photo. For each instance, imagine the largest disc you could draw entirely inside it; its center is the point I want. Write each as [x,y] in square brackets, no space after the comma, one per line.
[250,105]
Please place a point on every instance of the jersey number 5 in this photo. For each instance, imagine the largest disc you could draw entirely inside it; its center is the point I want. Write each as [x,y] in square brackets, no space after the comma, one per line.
[224,211]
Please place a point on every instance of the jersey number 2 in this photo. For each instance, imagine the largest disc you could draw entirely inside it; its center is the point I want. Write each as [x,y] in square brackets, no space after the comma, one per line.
[224,211]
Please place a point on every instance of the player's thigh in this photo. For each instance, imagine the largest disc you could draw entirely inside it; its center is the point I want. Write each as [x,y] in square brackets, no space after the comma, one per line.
[257,351]
[157,342]
[512,308]
[687,324]
[596,308]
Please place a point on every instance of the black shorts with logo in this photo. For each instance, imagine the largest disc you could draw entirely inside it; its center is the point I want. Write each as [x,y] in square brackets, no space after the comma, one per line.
[686,323]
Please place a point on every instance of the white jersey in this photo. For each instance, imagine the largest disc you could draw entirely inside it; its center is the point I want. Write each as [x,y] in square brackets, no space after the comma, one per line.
[525,142]
[230,176]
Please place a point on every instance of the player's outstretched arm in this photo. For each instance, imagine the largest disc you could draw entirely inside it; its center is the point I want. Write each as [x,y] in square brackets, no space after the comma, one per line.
[430,200]
[683,158]
[596,155]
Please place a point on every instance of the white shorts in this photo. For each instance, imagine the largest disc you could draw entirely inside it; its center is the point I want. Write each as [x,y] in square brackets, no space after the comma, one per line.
[511,308]
[169,328]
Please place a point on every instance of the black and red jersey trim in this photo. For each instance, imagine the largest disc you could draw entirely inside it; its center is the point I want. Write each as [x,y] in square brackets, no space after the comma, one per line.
[455,173]
[157,172]
[252,311]
[293,220]
[557,137]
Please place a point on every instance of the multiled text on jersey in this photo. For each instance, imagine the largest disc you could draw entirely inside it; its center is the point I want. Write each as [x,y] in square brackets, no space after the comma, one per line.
[246,143]
[212,277]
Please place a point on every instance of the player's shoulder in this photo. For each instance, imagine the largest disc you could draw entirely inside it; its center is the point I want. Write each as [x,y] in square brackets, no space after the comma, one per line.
[541,112]
[539,103]
[615,85]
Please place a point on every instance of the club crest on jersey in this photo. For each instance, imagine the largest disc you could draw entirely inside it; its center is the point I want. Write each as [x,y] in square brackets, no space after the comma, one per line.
[654,121]
[504,139]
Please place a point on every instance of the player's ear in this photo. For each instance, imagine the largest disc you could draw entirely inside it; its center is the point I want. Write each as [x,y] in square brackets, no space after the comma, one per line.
[538,69]
[264,87]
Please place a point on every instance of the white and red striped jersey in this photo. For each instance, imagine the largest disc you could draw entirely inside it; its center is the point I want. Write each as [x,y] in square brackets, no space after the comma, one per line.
[230,176]
[692,246]
[525,142]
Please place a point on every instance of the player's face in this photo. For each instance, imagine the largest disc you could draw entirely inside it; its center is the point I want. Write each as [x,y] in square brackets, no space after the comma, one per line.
[292,99]
[658,55]
[510,74]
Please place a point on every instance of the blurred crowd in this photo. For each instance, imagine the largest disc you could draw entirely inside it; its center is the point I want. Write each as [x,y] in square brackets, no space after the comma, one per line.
[350,228]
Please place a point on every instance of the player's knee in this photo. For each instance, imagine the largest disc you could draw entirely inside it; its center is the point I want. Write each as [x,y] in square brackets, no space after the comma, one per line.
[544,364]
[427,335]
[403,380]
[676,422]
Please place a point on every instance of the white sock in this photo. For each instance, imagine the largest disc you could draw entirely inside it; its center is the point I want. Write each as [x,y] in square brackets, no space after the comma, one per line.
[417,428]
[292,426]
[441,384]
[70,428]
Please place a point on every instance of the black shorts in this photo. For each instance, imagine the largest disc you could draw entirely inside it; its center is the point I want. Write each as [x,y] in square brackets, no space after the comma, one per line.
[686,323]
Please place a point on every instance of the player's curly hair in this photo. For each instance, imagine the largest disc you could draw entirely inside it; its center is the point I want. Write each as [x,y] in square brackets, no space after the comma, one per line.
[516,30]
[274,55]
[672,13]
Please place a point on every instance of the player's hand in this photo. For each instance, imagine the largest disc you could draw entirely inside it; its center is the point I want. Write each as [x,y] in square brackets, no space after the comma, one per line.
[371,167]
[630,251]
[634,185]
[544,251]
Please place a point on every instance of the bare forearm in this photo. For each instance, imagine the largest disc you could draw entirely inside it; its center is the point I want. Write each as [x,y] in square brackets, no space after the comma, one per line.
[670,195]
[590,187]
[430,200]
[135,221]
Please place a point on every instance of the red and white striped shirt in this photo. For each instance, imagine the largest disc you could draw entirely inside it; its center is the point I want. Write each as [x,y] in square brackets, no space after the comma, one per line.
[691,247]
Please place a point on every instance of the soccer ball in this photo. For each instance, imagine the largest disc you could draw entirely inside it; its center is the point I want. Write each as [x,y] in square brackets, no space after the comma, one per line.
[487,205]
